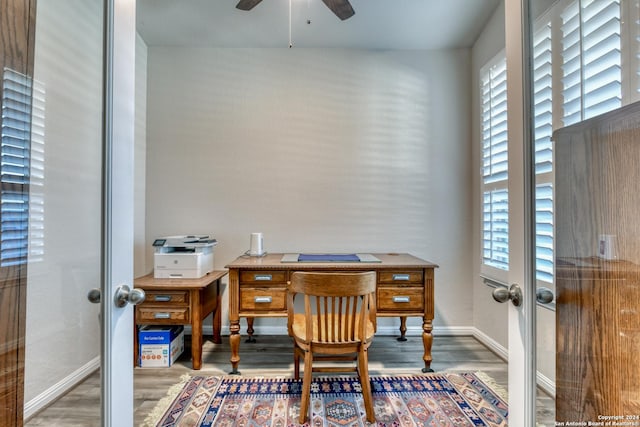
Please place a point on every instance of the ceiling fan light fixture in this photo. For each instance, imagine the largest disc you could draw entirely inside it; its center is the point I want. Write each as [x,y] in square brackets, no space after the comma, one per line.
[341,8]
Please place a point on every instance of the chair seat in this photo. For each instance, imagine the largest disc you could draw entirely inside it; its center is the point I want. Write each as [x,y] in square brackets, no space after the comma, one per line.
[299,328]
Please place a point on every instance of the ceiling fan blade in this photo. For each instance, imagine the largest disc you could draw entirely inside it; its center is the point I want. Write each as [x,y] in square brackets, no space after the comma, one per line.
[247,4]
[342,8]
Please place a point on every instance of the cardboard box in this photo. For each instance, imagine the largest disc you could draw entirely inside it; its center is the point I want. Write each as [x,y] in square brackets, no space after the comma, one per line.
[159,346]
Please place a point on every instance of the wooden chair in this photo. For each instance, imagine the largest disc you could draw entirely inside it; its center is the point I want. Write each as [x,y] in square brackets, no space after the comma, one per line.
[337,323]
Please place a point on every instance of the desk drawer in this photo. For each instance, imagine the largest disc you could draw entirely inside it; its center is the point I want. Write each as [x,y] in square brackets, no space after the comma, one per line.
[167,297]
[157,314]
[263,299]
[400,299]
[400,277]
[263,277]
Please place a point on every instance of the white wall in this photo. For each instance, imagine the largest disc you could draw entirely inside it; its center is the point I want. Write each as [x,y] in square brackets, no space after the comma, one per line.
[319,149]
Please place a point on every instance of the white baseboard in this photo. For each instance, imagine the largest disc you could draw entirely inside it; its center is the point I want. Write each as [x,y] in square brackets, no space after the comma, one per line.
[390,330]
[546,384]
[492,344]
[60,388]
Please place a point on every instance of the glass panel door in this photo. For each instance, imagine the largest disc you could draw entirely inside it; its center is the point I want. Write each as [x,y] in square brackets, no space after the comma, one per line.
[583,68]
[65,205]
[78,166]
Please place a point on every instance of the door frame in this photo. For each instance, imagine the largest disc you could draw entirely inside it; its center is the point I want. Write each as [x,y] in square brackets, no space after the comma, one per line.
[117,222]
[522,319]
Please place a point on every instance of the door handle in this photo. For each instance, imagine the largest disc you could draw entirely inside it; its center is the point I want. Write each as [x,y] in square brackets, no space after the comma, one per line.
[124,295]
[94,296]
[514,293]
[544,295]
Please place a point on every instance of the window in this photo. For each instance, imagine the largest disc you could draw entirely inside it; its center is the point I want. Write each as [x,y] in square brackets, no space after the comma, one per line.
[20,174]
[495,196]
[14,168]
[542,76]
[591,59]
[577,74]
[579,51]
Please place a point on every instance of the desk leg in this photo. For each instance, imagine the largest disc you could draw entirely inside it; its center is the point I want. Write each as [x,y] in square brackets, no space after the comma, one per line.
[234,342]
[427,342]
[250,330]
[196,330]
[234,320]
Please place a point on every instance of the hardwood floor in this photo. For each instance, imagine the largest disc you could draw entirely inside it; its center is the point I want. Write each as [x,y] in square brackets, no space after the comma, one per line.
[272,356]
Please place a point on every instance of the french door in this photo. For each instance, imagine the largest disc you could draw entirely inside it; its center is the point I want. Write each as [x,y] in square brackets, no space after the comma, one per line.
[67,204]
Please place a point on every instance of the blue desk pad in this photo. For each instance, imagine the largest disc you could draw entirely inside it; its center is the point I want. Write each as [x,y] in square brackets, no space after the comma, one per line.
[364,258]
[328,258]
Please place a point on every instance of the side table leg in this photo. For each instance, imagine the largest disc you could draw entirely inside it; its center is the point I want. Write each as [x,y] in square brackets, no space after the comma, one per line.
[427,341]
[135,343]
[196,331]
[217,317]
[403,328]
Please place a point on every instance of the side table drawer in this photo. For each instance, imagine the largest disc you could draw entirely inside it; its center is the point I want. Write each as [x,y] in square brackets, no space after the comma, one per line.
[400,299]
[263,299]
[155,314]
[168,297]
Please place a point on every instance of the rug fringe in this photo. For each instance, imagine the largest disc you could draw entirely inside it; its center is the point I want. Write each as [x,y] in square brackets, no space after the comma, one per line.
[158,411]
[500,390]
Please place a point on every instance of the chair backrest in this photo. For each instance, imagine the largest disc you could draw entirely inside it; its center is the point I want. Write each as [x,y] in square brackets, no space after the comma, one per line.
[337,306]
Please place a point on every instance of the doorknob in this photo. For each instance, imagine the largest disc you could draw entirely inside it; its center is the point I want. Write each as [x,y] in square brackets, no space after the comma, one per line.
[544,295]
[94,296]
[514,293]
[126,295]
[122,296]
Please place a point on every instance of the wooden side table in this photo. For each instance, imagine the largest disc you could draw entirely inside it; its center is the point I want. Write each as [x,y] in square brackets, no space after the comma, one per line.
[181,302]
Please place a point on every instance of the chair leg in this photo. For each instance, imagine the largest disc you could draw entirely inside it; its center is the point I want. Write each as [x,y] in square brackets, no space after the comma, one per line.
[306,386]
[365,382]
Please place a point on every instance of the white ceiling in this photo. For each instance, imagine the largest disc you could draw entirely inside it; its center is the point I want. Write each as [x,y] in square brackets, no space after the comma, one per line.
[377,24]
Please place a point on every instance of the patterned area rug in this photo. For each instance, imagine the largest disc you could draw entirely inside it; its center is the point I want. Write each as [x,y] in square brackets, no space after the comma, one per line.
[442,400]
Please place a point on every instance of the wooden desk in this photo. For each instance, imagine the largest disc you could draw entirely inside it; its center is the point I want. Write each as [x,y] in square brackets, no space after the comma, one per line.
[180,302]
[258,288]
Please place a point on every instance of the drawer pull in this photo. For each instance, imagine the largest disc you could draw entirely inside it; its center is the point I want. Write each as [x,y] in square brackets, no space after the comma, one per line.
[263,277]
[262,300]
[162,298]
[162,316]
[401,277]
[401,299]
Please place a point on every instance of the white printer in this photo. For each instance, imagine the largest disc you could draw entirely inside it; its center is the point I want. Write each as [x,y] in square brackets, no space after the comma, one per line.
[183,257]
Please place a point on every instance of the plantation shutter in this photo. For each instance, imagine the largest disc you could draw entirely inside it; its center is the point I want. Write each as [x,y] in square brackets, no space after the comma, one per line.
[591,53]
[14,168]
[495,224]
[543,129]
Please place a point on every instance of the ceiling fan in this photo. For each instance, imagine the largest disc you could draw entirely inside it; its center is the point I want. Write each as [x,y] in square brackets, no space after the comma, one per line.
[342,8]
